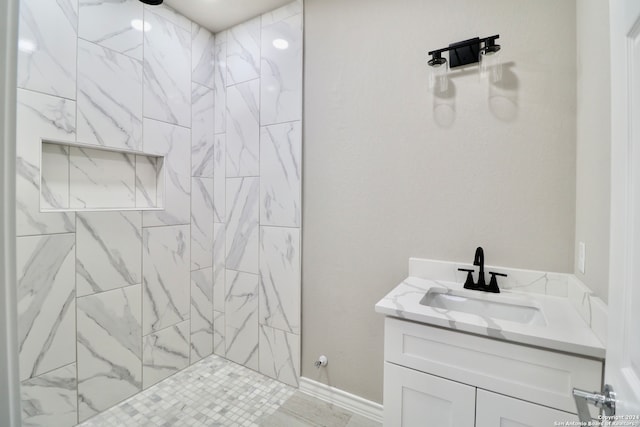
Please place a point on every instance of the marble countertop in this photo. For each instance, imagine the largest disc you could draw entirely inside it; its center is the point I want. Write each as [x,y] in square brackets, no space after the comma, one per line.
[565,329]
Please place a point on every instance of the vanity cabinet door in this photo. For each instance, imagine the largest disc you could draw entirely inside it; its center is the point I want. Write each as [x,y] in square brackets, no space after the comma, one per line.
[495,410]
[416,399]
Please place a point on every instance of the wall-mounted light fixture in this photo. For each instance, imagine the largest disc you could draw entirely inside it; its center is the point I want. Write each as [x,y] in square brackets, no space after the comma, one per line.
[465,52]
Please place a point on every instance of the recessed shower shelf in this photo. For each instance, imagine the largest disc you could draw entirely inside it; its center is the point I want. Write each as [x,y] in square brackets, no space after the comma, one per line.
[77,177]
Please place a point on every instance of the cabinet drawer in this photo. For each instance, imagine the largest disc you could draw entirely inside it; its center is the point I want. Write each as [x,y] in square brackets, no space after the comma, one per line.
[416,399]
[495,410]
[528,373]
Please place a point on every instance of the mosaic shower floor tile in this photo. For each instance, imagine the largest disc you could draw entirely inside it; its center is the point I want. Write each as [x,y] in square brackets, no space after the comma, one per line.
[212,392]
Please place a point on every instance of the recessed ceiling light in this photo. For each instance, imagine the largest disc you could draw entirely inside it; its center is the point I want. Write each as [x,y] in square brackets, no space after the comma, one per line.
[280,44]
[138,24]
[26,46]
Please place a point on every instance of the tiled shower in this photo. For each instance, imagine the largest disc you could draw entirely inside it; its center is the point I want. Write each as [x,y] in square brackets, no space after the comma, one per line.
[110,302]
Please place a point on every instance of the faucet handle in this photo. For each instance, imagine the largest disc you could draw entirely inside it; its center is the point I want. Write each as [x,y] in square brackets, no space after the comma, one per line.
[493,283]
[468,284]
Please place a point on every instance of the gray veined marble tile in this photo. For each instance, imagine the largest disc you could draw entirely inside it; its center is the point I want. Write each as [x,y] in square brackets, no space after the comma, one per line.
[281,174]
[220,85]
[101,179]
[109,97]
[109,245]
[50,400]
[243,129]
[54,179]
[241,318]
[243,52]
[165,352]
[47,47]
[201,223]
[166,277]
[219,177]
[281,71]
[219,347]
[202,131]
[221,37]
[173,142]
[202,55]
[201,314]
[46,303]
[109,349]
[219,265]
[280,278]
[149,182]
[284,12]
[115,24]
[280,355]
[39,116]
[170,15]
[167,71]
[242,234]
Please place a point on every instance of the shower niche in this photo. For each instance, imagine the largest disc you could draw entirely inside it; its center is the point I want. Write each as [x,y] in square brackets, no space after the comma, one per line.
[83,177]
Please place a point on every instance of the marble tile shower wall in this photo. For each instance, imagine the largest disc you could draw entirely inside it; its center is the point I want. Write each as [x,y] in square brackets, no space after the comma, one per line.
[112,302]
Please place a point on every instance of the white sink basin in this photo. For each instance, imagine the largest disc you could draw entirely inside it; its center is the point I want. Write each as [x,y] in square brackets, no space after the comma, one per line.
[495,306]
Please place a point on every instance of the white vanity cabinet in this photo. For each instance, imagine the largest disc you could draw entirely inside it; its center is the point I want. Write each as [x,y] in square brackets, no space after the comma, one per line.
[442,377]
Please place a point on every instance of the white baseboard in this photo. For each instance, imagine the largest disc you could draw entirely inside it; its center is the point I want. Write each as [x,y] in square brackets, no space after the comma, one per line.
[343,399]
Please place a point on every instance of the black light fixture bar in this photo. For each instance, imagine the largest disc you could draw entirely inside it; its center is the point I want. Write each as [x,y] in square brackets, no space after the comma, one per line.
[466,52]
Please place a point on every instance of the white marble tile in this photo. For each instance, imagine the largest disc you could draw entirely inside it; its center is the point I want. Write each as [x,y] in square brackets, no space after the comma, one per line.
[241,318]
[201,314]
[202,131]
[219,178]
[280,355]
[243,52]
[166,277]
[201,223]
[243,129]
[219,254]
[50,400]
[109,245]
[167,71]
[54,179]
[109,97]
[173,142]
[242,234]
[170,15]
[281,71]
[221,37]
[117,25]
[109,349]
[202,55]
[164,353]
[39,116]
[281,174]
[220,85]
[280,278]
[47,47]
[46,303]
[101,179]
[284,12]
[149,182]
[219,347]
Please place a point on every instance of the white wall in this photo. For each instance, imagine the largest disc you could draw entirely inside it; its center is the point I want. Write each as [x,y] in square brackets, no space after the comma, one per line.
[392,172]
[593,142]
[10,391]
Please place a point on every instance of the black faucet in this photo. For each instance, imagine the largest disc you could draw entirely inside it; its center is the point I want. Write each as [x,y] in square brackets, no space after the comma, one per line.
[481,285]
[478,260]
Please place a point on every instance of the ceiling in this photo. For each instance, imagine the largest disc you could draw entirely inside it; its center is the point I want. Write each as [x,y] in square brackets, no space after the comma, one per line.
[218,15]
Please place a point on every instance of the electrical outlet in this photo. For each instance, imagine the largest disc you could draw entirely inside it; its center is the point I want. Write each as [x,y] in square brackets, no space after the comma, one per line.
[581,256]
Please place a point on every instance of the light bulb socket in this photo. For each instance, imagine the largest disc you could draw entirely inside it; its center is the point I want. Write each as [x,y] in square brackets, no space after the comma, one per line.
[436,60]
